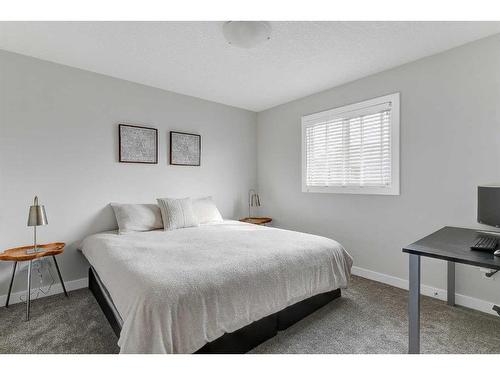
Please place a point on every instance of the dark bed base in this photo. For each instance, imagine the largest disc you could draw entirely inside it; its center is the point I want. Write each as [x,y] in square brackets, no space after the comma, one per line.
[240,341]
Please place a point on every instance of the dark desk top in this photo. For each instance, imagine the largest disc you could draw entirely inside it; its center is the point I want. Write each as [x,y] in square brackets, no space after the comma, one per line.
[453,244]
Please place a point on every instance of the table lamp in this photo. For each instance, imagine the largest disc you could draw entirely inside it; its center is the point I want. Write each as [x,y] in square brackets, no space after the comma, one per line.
[36,217]
[253,200]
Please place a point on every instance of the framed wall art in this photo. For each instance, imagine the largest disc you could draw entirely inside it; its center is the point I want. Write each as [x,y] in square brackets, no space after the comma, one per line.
[185,149]
[137,144]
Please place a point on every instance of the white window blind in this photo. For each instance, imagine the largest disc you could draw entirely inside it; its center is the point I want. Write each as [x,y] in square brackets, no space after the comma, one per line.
[352,148]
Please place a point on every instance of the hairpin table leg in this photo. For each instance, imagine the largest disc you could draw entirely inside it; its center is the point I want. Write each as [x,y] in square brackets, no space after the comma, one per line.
[60,277]
[28,293]
[10,285]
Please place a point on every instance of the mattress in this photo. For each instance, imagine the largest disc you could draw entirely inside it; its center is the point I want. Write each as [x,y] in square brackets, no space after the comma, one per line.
[177,290]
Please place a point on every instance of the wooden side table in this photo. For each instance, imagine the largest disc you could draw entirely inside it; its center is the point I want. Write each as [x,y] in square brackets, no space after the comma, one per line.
[257,220]
[19,254]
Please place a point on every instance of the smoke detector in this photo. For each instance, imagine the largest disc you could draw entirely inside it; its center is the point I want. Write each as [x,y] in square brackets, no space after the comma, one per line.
[246,34]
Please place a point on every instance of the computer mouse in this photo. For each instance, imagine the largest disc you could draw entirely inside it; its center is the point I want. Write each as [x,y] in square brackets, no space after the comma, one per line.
[497,253]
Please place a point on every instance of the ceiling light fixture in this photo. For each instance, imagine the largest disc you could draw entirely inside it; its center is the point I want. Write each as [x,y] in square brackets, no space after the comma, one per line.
[246,34]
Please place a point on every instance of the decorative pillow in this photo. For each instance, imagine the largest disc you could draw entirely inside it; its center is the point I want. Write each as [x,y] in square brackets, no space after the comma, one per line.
[177,213]
[206,211]
[137,217]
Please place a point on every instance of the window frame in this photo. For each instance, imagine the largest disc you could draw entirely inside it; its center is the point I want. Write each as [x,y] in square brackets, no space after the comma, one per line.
[393,188]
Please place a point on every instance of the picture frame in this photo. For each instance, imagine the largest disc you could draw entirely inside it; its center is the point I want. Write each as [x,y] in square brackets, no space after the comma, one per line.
[137,144]
[185,149]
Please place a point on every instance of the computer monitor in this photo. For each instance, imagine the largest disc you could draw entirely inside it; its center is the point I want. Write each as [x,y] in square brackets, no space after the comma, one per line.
[488,205]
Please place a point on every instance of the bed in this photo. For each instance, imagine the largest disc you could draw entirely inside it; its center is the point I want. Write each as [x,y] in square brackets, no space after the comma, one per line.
[204,288]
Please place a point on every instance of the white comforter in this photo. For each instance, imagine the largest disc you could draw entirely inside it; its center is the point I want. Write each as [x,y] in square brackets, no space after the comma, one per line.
[178,290]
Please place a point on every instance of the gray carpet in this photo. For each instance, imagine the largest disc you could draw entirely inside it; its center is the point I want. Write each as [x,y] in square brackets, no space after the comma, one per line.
[57,325]
[369,318]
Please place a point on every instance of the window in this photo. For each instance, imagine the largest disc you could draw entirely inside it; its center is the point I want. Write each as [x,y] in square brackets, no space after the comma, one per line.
[352,149]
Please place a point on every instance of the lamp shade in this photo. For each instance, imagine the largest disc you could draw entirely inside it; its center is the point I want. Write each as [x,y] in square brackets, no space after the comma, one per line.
[37,215]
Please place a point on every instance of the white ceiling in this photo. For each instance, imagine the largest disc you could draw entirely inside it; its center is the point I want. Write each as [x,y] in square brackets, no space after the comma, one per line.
[193,58]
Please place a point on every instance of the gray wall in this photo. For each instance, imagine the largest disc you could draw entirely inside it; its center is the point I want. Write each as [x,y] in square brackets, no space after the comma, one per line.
[59,139]
[450,143]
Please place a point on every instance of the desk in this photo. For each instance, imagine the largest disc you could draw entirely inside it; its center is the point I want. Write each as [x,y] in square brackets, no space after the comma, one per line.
[452,245]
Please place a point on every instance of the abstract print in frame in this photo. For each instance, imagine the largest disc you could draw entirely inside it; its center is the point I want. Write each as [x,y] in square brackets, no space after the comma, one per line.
[185,149]
[138,144]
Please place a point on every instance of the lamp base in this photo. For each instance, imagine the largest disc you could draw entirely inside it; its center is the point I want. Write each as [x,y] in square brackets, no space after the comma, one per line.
[33,250]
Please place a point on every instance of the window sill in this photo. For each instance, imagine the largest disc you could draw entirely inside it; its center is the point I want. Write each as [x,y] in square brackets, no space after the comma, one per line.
[367,190]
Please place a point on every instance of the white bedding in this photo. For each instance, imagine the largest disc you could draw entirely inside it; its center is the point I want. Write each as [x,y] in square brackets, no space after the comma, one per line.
[178,290]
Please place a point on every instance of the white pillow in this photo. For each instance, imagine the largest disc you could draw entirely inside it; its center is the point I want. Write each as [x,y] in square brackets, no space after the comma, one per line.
[137,217]
[206,211]
[177,213]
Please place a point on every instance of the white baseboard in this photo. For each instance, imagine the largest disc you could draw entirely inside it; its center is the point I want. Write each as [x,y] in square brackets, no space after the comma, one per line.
[426,290]
[56,289]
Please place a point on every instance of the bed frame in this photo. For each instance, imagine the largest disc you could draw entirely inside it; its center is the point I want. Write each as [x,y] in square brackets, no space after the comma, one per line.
[237,342]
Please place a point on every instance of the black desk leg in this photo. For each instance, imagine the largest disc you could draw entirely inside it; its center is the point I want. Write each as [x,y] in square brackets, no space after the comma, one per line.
[451,284]
[414,306]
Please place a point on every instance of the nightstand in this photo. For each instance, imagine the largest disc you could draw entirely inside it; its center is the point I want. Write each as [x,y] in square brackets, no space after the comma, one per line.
[257,220]
[18,254]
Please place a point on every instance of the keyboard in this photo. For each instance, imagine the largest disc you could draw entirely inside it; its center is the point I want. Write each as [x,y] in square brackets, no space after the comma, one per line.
[485,244]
